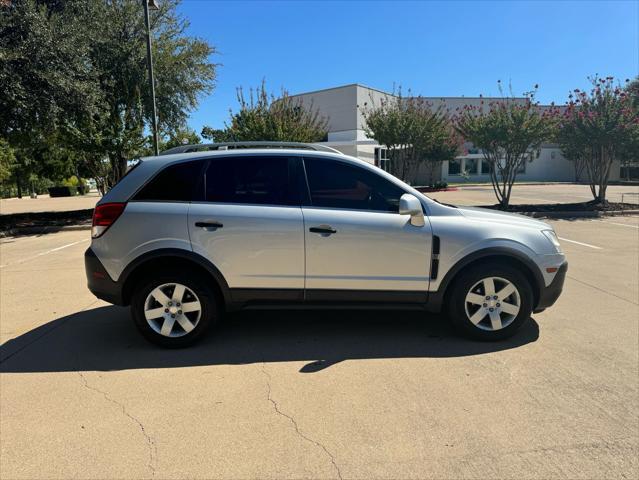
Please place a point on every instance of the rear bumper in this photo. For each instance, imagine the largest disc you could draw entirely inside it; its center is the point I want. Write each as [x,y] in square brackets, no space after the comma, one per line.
[99,281]
[549,295]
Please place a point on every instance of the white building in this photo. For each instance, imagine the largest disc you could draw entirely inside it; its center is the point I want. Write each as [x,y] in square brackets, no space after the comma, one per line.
[342,106]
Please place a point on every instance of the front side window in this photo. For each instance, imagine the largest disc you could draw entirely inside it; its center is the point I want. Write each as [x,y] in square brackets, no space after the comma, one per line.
[335,184]
[176,183]
[454,167]
[260,180]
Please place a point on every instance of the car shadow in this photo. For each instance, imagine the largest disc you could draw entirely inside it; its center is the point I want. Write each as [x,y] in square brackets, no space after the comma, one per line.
[105,339]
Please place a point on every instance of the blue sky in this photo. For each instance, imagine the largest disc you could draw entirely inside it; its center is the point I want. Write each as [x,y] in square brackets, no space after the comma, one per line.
[433,48]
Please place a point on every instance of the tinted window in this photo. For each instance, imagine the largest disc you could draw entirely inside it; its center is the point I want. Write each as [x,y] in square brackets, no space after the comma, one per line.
[174,183]
[454,167]
[338,185]
[244,179]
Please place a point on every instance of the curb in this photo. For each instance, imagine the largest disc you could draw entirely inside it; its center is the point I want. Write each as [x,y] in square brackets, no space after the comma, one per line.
[488,184]
[435,190]
[568,214]
[43,229]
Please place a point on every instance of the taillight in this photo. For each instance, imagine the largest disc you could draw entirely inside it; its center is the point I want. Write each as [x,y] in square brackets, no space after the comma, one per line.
[104,216]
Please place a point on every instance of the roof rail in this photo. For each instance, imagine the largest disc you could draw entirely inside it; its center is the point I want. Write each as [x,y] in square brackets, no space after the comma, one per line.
[204,147]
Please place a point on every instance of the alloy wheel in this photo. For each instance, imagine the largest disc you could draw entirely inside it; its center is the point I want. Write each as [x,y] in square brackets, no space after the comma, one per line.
[493,303]
[172,310]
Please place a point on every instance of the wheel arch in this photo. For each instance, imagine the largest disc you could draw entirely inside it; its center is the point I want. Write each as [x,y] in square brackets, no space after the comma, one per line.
[491,255]
[175,258]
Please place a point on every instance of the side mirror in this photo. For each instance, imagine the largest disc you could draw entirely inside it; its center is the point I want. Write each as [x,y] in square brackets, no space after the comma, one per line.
[410,205]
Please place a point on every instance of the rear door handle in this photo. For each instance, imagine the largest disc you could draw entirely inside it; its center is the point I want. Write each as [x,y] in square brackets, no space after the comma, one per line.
[323,229]
[209,224]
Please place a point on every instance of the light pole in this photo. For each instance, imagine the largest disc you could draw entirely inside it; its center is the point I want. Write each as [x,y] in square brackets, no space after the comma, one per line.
[154,6]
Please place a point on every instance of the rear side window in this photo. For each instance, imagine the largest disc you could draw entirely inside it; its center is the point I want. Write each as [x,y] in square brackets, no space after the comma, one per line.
[335,184]
[260,180]
[176,183]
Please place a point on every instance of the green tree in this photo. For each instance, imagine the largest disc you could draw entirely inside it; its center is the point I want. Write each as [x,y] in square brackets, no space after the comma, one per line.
[7,161]
[264,117]
[46,83]
[183,72]
[509,132]
[632,89]
[217,135]
[444,146]
[44,74]
[77,73]
[413,131]
[599,127]
[182,136]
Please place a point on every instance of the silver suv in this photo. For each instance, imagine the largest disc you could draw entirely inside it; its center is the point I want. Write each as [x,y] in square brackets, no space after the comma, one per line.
[184,237]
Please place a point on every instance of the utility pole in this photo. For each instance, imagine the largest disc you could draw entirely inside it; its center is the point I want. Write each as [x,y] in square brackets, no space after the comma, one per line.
[153,5]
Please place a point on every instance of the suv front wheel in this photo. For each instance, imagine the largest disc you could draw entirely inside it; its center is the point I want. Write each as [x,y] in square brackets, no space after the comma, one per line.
[490,302]
[174,310]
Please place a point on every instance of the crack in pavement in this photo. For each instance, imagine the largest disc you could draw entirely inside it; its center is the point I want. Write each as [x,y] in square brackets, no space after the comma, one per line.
[149,440]
[294,422]
[601,290]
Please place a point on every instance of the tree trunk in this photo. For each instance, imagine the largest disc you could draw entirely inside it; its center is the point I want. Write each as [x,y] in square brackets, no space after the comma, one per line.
[19,186]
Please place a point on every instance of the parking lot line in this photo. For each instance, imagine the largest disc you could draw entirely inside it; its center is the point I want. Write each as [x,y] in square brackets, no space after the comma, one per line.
[45,253]
[580,243]
[622,224]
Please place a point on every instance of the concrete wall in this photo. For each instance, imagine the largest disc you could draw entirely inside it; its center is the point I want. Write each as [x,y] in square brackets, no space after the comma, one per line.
[368,98]
[451,104]
[339,106]
[342,106]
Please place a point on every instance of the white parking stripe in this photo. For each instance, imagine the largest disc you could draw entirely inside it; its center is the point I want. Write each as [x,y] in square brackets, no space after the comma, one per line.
[623,224]
[45,253]
[580,243]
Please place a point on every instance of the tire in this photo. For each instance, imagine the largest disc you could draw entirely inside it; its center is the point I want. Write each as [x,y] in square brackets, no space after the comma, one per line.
[179,323]
[475,315]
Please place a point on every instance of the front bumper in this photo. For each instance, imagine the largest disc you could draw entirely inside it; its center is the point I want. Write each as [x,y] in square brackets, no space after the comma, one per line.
[99,281]
[549,295]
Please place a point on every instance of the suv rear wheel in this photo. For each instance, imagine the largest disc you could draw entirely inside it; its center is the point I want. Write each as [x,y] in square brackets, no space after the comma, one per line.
[490,302]
[174,310]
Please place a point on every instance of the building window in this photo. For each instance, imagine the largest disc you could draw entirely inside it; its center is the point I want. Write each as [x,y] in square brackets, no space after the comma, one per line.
[463,166]
[470,166]
[382,158]
[454,167]
[485,167]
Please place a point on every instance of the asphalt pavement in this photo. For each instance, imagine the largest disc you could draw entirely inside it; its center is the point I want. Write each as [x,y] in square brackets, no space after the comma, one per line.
[320,394]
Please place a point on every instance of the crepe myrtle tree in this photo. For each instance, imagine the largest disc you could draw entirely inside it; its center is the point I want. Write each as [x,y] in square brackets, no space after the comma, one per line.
[598,128]
[413,131]
[509,132]
[262,116]
[445,145]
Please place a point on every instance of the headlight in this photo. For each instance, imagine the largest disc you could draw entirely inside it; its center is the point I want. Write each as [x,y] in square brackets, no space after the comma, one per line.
[552,236]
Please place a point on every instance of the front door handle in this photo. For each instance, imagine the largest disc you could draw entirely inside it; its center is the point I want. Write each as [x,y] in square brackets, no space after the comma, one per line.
[323,229]
[209,224]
